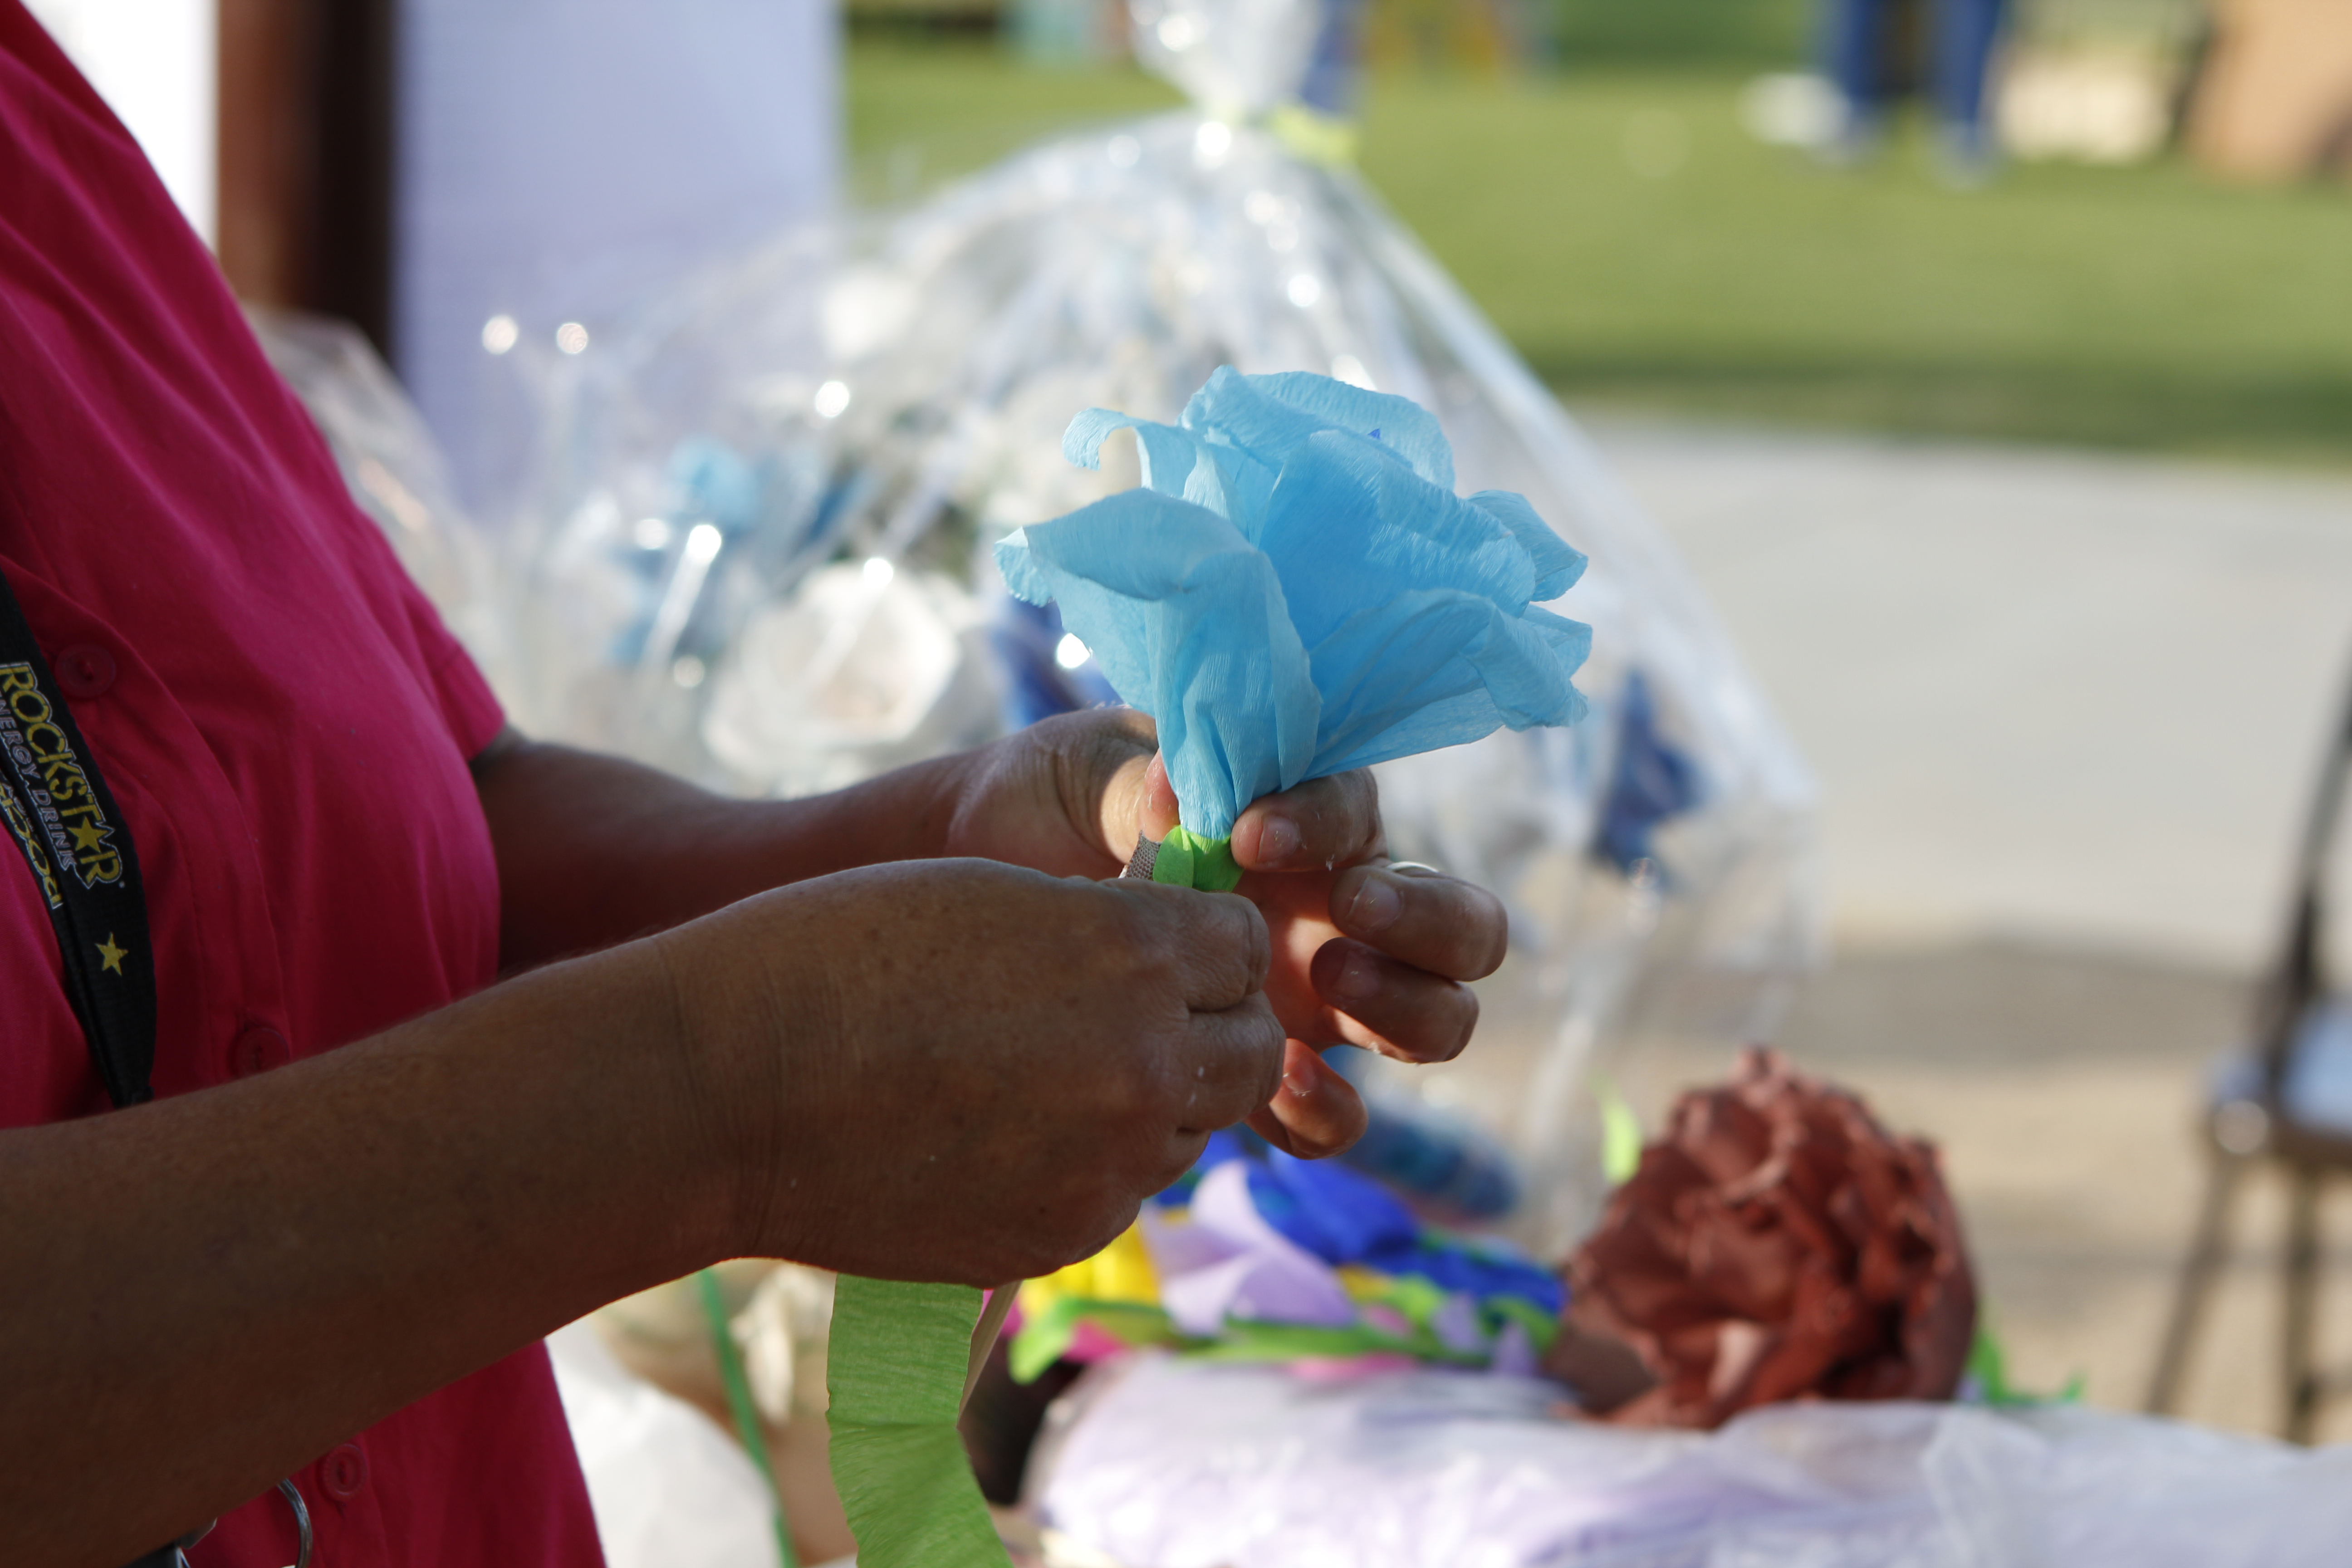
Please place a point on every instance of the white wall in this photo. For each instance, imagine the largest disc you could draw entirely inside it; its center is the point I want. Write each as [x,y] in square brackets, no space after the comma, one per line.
[559,157]
[153,62]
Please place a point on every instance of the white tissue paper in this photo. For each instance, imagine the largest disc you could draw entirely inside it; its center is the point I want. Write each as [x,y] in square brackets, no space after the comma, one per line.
[1164,1463]
[671,1491]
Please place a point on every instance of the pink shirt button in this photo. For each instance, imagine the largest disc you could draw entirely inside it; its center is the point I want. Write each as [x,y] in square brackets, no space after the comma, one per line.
[84,670]
[344,1472]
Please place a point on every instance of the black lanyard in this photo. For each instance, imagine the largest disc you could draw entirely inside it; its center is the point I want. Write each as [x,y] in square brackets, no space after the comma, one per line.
[62,816]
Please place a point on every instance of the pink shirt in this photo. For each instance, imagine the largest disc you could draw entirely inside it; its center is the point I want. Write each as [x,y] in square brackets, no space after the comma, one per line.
[285,726]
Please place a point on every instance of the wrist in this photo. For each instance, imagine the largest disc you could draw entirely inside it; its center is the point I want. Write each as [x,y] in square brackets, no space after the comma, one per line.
[736,1025]
[909,814]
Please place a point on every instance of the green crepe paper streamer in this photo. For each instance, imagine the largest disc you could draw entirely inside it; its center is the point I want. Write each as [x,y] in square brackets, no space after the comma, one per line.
[1989,1365]
[1043,1338]
[1046,1336]
[747,1415]
[896,1369]
[1540,1327]
[1253,1341]
[1418,1299]
[1188,860]
[1620,1134]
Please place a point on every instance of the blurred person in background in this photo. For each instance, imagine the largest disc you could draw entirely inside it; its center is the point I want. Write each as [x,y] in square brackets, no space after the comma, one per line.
[1863,57]
[451,1036]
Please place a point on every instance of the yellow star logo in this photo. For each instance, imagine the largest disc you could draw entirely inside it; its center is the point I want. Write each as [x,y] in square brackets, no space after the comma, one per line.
[110,956]
[87,836]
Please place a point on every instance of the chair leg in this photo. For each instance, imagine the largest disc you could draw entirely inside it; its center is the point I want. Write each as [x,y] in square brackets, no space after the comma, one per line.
[2301,1370]
[2207,1249]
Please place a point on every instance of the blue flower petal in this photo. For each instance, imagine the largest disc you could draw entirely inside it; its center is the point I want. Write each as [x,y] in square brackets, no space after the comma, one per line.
[1175,462]
[1269,415]
[1557,565]
[1436,669]
[1188,624]
[1348,525]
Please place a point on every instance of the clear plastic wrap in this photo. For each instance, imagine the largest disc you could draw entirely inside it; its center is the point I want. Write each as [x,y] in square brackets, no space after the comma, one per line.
[1162,1463]
[396,473]
[759,554]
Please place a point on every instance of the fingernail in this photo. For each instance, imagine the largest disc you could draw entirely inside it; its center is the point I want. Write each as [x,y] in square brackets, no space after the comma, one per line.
[1374,907]
[1277,840]
[1301,1081]
[1360,977]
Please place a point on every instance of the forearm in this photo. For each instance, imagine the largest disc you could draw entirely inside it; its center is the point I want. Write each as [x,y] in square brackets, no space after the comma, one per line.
[202,1294]
[594,850]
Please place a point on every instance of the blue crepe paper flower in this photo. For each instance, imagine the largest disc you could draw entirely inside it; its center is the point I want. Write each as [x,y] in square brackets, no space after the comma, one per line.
[1296,591]
[1332,1211]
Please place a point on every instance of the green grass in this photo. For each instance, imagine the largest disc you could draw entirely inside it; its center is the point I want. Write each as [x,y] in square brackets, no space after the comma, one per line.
[921,113]
[2134,308]
[2140,308]
[1759,32]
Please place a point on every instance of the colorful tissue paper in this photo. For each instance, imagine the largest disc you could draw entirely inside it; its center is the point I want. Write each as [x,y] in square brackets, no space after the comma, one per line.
[1296,591]
[1255,1256]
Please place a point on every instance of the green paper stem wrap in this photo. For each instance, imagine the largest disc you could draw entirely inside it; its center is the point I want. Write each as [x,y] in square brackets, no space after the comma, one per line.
[1188,860]
[895,1368]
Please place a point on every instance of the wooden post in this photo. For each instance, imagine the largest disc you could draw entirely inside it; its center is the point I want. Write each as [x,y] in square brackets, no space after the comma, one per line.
[307,105]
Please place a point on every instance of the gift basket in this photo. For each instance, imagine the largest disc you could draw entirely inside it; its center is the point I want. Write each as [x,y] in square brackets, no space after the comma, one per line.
[759,555]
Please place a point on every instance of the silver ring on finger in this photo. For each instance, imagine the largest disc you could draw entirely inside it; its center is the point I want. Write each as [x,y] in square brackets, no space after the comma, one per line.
[1414,866]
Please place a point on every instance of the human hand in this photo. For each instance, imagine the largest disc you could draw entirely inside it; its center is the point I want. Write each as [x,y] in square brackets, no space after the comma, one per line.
[959,1070]
[1362,954]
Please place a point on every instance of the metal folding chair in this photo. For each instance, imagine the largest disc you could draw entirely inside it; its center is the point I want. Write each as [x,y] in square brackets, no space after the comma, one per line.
[2286,1100]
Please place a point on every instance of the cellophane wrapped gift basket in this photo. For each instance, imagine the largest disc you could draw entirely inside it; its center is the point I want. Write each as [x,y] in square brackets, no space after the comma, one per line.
[759,554]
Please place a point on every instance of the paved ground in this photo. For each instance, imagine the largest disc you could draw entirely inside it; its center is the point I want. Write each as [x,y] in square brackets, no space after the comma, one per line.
[2046,694]
[2063,709]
